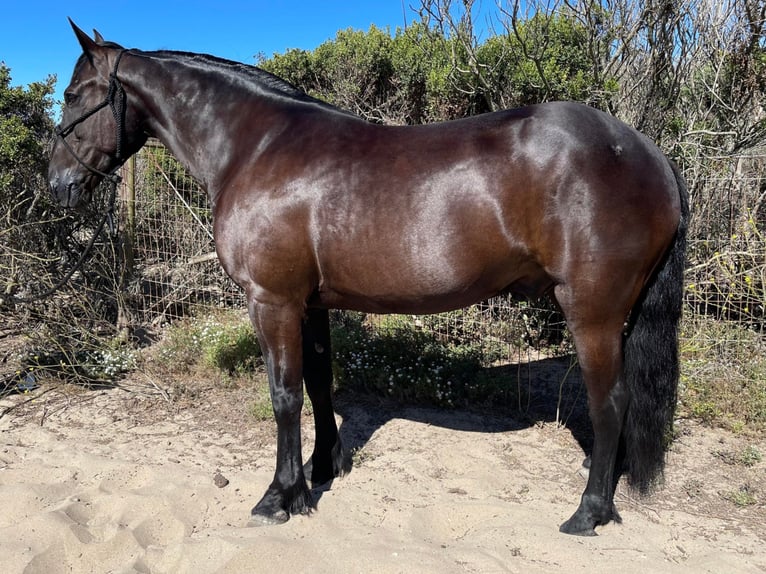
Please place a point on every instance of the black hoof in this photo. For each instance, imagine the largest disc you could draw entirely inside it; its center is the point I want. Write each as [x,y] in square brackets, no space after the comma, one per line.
[577,527]
[593,511]
[277,505]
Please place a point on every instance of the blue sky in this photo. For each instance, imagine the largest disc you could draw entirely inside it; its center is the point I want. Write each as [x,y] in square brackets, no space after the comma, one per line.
[36,39]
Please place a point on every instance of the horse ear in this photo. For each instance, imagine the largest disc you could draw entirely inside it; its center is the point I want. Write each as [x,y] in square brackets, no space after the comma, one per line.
[98,37]
[88,46]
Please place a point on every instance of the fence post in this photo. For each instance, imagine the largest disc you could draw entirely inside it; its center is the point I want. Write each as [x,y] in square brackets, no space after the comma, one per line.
[127,241]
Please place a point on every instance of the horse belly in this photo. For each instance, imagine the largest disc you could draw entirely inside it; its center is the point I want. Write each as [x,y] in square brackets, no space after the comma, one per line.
[428,285]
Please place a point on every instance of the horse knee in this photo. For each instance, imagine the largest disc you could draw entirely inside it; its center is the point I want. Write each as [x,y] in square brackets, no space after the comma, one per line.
[287,406]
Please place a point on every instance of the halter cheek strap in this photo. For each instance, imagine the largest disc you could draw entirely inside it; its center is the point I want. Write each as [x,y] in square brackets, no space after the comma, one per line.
[115,99]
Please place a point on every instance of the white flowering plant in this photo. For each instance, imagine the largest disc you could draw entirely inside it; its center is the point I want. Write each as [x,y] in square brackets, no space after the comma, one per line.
[395,358]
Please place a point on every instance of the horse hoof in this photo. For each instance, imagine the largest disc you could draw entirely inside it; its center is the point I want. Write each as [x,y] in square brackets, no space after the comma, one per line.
[581,523]
[278,517]
[569,527]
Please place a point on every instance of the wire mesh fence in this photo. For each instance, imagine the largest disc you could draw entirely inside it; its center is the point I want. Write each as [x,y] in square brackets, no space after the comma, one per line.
[173,268]
[727,252]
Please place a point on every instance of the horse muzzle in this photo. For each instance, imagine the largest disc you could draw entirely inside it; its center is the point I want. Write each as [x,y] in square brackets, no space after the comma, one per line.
[69,191]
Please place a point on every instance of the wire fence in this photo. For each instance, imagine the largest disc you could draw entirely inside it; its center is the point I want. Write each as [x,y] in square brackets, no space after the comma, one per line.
[173,268]
[726,273]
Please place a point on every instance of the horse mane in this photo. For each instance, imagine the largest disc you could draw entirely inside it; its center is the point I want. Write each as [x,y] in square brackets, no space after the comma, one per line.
[264,80]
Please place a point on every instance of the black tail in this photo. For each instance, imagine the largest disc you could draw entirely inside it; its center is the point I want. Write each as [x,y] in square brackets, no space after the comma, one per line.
[651,366]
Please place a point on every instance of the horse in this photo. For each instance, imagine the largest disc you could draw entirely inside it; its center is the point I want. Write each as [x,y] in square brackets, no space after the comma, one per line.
[317,209]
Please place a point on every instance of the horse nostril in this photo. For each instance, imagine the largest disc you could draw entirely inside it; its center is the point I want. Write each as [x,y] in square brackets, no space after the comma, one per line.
[71,195]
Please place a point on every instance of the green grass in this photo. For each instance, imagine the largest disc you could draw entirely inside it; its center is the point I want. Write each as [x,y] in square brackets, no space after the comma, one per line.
[723,374]
[750,456]
[220,346]
[260,406]
[743,496]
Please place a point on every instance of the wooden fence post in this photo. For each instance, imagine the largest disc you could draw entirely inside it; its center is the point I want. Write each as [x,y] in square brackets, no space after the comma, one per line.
[127,217]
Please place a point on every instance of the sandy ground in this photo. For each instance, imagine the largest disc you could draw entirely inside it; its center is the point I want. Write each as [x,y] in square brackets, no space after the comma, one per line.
[124,480]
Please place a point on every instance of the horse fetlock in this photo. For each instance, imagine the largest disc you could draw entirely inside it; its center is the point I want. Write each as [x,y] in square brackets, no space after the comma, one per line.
[341,464]
[300,500]
[325,466]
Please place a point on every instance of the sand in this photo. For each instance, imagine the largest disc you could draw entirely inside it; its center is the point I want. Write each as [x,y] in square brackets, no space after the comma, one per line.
[125,480]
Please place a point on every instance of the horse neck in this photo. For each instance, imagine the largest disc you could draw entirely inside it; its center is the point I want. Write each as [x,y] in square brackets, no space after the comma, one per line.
[195,111]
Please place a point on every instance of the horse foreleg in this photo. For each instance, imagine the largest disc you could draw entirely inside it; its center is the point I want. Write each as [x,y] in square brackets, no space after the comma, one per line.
[600,354]
[327,460]
[279,332]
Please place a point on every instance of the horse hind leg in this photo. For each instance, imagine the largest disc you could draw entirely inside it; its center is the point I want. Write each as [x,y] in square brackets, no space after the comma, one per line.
[599,350]
[328,459]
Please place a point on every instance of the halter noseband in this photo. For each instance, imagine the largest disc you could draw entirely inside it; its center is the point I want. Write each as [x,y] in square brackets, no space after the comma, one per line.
[115,99]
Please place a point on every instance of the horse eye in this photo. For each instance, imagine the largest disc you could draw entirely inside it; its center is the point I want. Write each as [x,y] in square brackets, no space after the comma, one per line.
[70,98]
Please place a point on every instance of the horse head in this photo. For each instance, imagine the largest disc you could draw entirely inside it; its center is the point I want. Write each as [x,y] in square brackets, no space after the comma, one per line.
[100,127]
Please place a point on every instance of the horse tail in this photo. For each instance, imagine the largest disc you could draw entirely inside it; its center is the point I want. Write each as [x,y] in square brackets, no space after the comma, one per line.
[651,365]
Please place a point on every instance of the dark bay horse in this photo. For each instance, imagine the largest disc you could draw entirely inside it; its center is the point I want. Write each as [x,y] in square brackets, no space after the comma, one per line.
[316,209]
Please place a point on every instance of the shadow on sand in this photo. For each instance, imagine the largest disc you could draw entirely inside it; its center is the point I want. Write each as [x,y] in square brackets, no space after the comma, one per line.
[547,390]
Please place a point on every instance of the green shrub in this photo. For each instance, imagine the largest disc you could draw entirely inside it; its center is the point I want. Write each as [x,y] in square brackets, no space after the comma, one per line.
[397,359]
[87,365]
[222,341]
[235,349]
